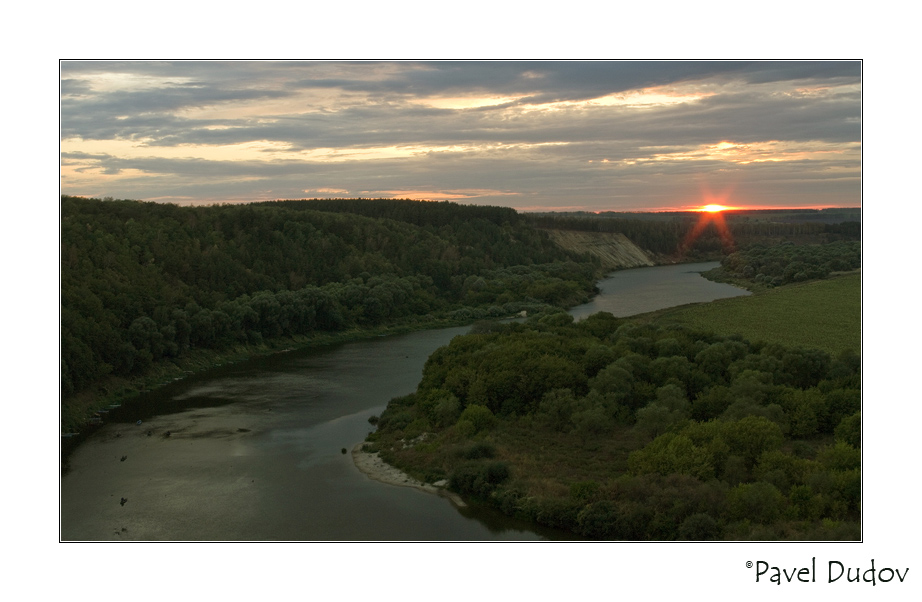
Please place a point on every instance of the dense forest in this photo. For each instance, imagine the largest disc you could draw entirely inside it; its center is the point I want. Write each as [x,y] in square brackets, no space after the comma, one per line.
[615,429]
[145,283]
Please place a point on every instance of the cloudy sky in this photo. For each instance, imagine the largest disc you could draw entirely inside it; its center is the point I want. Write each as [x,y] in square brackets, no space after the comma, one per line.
[531,135]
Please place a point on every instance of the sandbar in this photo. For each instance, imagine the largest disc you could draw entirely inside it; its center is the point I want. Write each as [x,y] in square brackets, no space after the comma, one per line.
[377,469]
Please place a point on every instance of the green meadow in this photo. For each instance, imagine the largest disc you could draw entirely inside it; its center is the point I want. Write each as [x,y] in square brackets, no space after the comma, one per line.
[824,314]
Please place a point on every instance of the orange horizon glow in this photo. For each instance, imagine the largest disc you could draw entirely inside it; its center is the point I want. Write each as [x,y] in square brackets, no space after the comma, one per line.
[693,208]
[729,208]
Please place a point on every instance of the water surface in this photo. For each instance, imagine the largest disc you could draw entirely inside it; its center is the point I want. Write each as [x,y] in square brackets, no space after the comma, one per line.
[637,291]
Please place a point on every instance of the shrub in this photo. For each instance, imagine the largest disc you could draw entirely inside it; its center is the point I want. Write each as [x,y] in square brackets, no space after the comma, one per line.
[840,456]
[849,430]
[556,409]
[559,513]
[480,416]
[670,453]
[478,478]
[416,428]
[599,520]
[758,502]
[607,520]
[749,437]
[584,491]
[396,420]
[465,429]
[445,411]
[478,450]
[699,527]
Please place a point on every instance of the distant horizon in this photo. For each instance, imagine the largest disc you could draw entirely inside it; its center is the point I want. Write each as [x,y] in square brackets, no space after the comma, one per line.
[518,209]
[533,135]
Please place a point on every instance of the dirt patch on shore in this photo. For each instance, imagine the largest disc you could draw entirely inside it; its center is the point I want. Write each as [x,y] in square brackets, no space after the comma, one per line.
[377,469]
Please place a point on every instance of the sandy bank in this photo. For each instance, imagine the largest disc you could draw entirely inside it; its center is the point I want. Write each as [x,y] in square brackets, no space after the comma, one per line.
[375,468]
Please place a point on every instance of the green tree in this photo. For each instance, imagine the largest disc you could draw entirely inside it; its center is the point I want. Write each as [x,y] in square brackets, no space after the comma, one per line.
[751,436]
[556,409]
[671,453]
[699,527]
[669,408]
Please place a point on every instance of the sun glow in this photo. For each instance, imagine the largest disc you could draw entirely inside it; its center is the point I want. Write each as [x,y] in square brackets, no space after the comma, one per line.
[712,218]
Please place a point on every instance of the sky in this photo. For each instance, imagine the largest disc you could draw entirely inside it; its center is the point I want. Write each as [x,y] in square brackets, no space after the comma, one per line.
[533,135]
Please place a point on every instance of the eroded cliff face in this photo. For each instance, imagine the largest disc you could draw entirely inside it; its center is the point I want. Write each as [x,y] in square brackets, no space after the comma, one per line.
[614,250]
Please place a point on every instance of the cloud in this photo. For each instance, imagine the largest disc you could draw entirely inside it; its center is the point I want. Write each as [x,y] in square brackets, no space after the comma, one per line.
[600,132]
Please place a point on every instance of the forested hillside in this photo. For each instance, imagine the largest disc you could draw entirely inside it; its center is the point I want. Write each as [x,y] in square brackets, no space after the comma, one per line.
[143,283]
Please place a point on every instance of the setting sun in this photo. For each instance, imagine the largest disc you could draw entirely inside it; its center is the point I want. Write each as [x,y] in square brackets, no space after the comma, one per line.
[713,208]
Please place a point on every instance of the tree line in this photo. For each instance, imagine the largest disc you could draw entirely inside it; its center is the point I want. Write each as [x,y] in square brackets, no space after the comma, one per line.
[786,263]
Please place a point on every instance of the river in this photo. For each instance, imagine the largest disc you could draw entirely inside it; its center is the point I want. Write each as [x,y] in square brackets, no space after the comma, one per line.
[254,451]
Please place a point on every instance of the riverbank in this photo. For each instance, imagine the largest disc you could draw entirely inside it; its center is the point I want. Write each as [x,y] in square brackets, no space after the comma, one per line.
[372,466]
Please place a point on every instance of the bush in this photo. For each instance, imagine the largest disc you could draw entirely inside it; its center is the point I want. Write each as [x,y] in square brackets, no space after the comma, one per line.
[699,527]
[840,456]
[465,429]
[480,416]
[416,428]
[671,453]
[584,491]
[749,437]
[599,520]
[445,411]
[556,409]
[759,502]
[395,420]
[478,478]
[478,450]
[849,430]
[607,520]
[559,513]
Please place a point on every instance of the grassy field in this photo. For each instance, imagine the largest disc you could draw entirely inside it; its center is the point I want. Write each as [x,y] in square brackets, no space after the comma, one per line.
[824,314]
